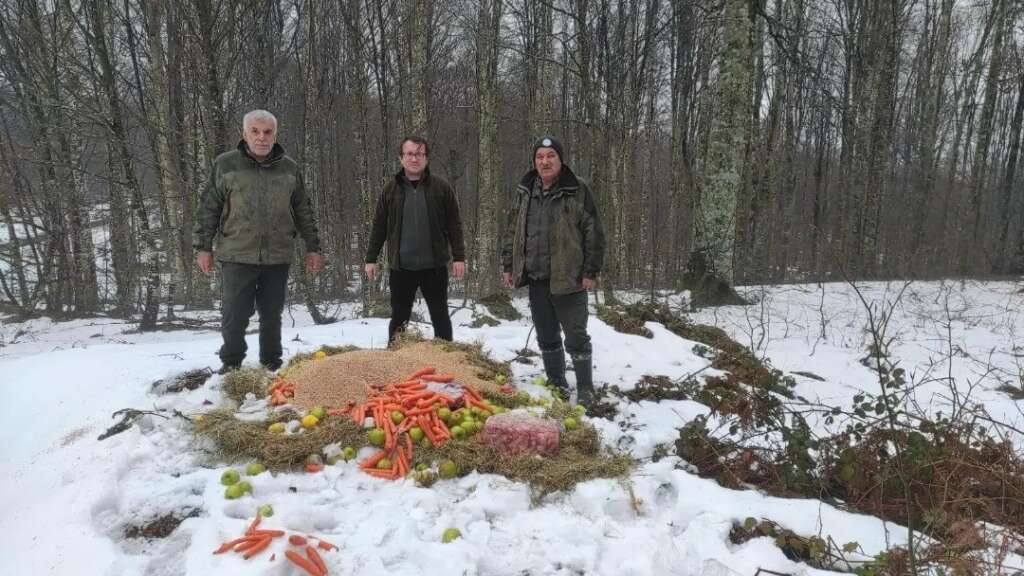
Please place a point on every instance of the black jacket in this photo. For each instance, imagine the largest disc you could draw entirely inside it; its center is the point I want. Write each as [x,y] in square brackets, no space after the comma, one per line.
[442,211]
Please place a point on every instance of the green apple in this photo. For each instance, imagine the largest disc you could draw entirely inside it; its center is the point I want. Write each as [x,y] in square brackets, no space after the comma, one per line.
[266,511]
[234,492]
[230,477]
[448,469]
[397,416]
[319,412]
[416,433]
[458,432]
[255,469]
[376,437]
[571,423]
[450,535]
[348,453]
[245,486]
[384,464]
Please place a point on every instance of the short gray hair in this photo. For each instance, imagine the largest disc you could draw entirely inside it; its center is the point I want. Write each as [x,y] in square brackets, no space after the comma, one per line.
[258,115]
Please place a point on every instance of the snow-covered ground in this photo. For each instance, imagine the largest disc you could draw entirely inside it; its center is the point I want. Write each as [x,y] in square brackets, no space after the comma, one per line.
[68,497]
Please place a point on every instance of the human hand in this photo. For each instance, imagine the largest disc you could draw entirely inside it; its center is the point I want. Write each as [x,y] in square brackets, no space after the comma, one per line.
[314,262]
[204,259]
[458,268]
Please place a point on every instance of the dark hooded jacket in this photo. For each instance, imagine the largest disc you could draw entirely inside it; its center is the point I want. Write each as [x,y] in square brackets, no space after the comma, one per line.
[575,236]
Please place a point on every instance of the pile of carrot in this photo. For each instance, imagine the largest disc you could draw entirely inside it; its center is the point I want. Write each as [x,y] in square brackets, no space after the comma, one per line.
[256,540]
[253,542]
[281,391]
[418,406]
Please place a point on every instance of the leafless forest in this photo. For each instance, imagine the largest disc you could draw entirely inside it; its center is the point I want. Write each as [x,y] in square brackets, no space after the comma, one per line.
[770,140]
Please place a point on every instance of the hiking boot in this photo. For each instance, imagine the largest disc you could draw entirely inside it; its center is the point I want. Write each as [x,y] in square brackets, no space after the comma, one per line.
[272,365]
[584,381]
[554,368]
[228,367]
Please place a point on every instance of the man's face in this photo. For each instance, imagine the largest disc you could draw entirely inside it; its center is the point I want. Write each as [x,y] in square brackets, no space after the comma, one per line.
[414,158]
[547,163]
[260,136]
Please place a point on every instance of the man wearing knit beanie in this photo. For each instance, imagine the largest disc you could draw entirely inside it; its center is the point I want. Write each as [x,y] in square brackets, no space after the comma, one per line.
[554,244]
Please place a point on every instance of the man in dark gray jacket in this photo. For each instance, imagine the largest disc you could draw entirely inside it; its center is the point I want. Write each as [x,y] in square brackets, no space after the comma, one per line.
[254,205]
[554,244]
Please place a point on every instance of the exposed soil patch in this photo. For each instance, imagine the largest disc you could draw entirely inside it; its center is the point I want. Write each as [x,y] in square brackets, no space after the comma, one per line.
[162,526]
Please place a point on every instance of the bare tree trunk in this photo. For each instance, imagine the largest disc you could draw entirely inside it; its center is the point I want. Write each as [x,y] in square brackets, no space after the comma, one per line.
[488,164]
[149,256]
[723,179]
[972,244]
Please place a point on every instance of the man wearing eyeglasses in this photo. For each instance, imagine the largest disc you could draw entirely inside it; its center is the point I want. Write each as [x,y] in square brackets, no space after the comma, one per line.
[418,216]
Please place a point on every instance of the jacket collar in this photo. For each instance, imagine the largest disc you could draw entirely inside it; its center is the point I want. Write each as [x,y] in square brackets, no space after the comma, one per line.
[567,181]
[276,153]
[400,176]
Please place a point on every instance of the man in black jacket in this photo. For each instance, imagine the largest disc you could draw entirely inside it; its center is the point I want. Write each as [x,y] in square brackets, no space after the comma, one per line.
[418,216]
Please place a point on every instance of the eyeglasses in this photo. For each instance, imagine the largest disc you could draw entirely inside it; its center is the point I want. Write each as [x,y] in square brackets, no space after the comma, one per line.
[414,155]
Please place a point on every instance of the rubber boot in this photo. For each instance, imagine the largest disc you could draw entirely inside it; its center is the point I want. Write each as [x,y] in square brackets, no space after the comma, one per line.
[554,367]
[584,381]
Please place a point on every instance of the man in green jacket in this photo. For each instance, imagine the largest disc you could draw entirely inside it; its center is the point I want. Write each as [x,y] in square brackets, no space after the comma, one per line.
[418,216]
[254,205]
[554,244]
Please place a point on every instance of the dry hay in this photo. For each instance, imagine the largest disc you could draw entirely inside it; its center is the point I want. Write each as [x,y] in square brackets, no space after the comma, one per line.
[238,383]
[580,459]
[341,378]
[238,440]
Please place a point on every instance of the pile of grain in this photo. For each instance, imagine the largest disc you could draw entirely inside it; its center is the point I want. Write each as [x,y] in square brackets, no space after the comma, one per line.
[342,378]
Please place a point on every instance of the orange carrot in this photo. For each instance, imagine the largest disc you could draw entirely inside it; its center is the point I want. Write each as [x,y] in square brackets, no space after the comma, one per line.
[314,468]
[371,461]
[325,545]
[386,474]
[303,563]
[422,372]
[255,523]
[268,533]
[251,543]
[437,377]
[229,545]
[263,544]
[296,540]
[314,556]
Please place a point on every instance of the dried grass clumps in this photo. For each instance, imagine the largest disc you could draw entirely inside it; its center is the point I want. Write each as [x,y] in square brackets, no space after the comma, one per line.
[328,350]
[238,383]
[238,440]
[579,460]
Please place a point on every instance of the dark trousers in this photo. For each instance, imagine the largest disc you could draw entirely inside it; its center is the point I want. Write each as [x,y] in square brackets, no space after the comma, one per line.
[247,288]
[433,283]
[554,314]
